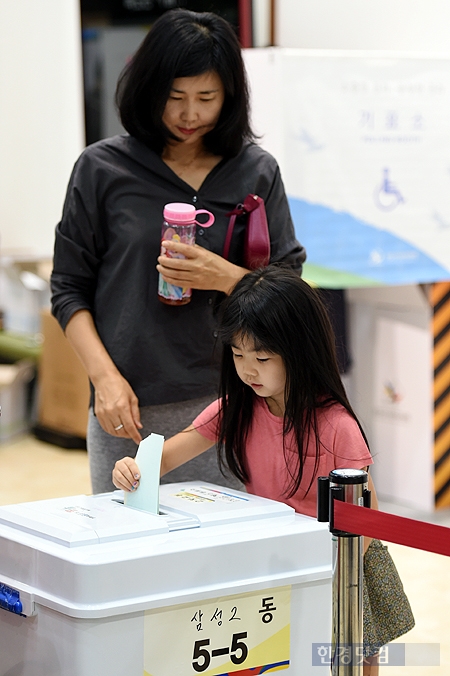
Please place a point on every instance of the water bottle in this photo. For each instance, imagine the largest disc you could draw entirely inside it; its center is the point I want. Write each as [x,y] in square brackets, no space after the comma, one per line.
[179,226]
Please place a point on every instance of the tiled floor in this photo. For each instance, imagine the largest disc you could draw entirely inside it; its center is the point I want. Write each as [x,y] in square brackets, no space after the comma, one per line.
[33,470]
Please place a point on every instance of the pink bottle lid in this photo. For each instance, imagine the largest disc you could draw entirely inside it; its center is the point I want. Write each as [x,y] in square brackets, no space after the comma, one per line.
[185,214]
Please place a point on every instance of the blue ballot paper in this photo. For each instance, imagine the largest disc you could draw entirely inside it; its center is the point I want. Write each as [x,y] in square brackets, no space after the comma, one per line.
[148,459]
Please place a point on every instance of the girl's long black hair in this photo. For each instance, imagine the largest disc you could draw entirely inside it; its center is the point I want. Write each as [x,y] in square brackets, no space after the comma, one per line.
[280,313]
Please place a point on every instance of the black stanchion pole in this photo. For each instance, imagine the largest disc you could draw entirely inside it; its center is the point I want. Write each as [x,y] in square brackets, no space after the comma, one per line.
[348,485]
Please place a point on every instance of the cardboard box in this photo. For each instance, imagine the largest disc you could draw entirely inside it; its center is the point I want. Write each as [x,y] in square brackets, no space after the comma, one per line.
[14,378]
[63,383]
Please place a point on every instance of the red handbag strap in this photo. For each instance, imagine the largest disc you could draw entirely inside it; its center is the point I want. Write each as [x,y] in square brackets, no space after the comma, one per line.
[229,235]
[250,203]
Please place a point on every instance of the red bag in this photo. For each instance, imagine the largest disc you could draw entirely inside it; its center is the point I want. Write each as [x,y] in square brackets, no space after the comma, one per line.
[257,240]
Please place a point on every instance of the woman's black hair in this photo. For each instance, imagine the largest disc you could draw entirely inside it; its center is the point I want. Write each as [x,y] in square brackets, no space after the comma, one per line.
[281,314]
[182,43]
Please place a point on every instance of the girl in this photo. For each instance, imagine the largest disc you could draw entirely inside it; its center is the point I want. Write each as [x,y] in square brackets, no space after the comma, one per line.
[283,417]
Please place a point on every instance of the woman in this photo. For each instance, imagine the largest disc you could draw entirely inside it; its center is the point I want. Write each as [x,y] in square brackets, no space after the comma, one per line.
[183,100]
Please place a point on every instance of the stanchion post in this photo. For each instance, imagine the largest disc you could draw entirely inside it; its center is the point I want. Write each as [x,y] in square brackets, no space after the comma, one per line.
[347,485]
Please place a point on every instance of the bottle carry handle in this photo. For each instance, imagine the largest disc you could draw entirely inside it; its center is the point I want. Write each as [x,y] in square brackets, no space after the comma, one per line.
[210,220]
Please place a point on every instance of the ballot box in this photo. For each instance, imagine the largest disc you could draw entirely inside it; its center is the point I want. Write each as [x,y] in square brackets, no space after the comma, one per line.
[219,582]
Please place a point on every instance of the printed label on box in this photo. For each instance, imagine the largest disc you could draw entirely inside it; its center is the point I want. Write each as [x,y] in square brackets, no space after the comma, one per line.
[222,636]
[203,494]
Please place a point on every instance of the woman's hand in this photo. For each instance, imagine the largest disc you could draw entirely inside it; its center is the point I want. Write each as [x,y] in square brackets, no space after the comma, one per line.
[200,269]
[126,474]
[117,407]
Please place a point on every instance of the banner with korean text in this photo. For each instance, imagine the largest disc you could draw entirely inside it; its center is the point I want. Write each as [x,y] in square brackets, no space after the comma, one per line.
[363,142]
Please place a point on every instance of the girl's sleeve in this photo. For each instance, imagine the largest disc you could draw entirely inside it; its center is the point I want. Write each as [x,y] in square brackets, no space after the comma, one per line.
[207,423]
[79,240]
[350,449]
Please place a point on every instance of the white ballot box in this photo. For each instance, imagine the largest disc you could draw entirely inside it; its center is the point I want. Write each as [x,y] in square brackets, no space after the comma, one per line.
[220,582]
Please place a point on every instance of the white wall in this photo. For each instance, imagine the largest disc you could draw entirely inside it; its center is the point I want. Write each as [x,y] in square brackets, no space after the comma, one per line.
[390,386]
[41,119]
[408,25]
[390,337]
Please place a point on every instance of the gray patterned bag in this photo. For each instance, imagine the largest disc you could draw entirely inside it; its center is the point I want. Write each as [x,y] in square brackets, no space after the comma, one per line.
[386,610]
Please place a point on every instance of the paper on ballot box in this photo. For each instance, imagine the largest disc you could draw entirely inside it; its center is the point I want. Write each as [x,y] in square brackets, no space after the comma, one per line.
[148,459]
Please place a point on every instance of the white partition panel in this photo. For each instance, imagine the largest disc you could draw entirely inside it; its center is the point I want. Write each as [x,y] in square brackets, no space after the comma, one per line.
[41,120]
[373,24]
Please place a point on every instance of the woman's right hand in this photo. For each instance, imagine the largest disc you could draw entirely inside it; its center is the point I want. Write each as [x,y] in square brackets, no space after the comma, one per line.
[117,407]
[126,474]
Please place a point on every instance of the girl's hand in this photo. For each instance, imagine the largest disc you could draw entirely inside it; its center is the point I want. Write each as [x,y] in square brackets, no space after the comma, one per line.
[117,407]
[126,474]
[200,269]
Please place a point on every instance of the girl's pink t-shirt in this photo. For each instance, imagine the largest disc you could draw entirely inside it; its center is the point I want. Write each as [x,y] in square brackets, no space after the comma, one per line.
[342,447]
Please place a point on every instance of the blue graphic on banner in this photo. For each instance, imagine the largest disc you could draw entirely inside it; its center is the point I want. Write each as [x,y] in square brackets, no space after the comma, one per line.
[339,242]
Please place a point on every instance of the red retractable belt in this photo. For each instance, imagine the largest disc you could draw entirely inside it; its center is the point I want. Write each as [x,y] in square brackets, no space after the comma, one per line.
[372,523]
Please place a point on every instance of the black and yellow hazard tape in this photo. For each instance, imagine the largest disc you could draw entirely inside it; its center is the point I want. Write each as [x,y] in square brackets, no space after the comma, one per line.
[440,301]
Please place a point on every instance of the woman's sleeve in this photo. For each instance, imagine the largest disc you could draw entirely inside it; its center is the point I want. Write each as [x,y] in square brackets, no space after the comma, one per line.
[78,243]
[283,244]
